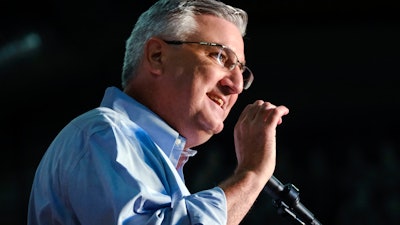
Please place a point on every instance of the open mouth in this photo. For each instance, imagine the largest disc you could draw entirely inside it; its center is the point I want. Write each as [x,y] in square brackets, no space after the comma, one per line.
[216,99]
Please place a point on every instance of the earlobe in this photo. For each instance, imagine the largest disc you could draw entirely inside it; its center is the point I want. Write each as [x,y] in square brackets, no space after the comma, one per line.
[153,55]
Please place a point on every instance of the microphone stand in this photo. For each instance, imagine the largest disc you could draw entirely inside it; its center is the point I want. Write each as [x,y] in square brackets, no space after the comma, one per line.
[287,201]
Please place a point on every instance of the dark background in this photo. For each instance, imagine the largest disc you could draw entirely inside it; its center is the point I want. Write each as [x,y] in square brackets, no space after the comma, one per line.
[334,64]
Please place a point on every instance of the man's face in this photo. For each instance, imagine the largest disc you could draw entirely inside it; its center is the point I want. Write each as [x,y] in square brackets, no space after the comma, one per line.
[199,92]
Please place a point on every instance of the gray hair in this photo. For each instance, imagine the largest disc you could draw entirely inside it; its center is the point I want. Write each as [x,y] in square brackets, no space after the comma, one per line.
[173,19]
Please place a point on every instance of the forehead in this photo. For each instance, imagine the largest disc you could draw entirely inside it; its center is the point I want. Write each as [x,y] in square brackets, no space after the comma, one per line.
[218,30]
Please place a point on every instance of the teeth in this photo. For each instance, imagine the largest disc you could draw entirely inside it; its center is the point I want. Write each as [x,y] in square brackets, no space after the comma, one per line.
[217,100]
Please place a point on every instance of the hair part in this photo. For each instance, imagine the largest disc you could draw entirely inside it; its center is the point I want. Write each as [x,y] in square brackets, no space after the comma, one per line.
[173,19]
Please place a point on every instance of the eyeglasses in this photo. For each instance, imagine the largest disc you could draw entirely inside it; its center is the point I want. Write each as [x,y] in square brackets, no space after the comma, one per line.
[226,57]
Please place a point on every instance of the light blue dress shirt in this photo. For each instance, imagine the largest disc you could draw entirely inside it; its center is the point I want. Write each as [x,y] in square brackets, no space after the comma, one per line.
[116,164]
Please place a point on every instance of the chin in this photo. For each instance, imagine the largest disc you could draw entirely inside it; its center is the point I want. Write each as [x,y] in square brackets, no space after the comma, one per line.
[201,138]
[217,131]
[219,128]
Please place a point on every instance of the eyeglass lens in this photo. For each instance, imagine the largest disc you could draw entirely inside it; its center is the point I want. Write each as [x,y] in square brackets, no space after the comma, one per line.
[228,59]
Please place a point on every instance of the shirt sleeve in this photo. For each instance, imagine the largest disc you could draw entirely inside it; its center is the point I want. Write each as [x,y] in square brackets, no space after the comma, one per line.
[127,180]
[207,207]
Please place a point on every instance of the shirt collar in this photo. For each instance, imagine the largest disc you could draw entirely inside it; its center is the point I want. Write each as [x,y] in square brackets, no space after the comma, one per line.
[169,140]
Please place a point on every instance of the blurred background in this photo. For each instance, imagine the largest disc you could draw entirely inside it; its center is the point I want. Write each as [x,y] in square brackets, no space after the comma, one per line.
[334,64]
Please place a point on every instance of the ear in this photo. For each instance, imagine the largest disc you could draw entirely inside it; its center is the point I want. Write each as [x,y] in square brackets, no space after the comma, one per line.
[154,53]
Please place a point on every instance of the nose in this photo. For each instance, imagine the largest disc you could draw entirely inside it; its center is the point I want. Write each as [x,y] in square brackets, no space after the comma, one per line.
[232,83]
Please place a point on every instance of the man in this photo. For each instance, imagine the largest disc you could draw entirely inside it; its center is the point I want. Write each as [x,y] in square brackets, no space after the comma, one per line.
[121,163]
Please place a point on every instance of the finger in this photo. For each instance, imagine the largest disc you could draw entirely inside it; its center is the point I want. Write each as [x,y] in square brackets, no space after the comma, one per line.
[263,111]
[275,115]
[251,110]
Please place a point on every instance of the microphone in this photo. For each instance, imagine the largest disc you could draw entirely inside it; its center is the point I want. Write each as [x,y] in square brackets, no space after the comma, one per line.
[287,201]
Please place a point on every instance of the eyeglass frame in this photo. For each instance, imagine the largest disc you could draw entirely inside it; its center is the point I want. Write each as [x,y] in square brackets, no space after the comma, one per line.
[243,68]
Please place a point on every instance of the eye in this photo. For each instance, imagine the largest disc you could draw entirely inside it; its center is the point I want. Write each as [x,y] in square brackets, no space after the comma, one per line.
[215,55]
[223,58]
